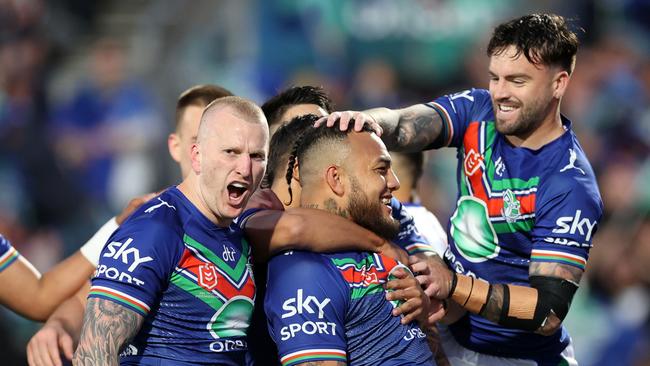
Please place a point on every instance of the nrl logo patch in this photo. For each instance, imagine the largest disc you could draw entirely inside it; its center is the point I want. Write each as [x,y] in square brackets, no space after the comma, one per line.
[472,163]
[207,276]
[511,207]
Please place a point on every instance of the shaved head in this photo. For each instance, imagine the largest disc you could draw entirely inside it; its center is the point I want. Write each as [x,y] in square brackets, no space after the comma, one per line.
[239,107]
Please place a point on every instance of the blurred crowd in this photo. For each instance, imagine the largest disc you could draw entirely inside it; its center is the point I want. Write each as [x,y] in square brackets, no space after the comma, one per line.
[87,91]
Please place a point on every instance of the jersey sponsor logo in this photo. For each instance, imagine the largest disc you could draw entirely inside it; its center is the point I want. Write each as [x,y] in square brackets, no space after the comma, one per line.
[413,334]
[228,254]
[499,167]
[129,350]
[472,163]
[308,327]
[575,223]
[511,207]
[567,242]
[113,273]
[300,304]
[573,156]
[227,345]
[208,276]
[473,233]
[467,94]
[121,251]
[161,204]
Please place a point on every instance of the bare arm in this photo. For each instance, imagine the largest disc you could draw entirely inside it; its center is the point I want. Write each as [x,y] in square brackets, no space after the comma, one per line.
[271,231]
[24,290]
[60,334]
[409,129]
[107,327]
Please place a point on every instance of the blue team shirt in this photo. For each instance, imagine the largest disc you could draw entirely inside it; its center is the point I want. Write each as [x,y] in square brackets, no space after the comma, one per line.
[190,279]
[261,346]
[8,254]
[333,307]
[515,206]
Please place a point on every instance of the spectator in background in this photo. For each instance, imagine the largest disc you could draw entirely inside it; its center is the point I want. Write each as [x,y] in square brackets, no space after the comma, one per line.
[104,133]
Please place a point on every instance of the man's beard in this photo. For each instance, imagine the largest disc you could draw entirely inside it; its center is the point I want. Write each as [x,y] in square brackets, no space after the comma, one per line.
[369,214]
[530,117]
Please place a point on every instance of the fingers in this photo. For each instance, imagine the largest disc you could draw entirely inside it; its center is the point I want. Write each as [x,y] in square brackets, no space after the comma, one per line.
[436,313]
[66,344]
[419,267]
[411,309]
[344,118]
[426,283]
[42,352]
[401,284]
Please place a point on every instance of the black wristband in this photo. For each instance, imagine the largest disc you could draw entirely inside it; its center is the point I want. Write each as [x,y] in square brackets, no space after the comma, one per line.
[454,281]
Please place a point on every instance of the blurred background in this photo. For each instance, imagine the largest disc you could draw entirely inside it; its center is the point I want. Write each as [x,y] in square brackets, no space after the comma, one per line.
[88,91]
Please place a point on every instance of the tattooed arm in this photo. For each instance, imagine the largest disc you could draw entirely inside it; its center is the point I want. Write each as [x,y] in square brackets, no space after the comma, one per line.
[494,307]
[107,328]
[409,129]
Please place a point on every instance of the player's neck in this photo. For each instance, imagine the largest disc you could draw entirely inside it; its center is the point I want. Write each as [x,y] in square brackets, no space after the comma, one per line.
[549,130]
[190,189]
[331,204]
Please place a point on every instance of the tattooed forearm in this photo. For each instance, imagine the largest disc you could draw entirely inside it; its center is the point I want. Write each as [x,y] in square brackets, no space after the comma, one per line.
[409,129]
[107,328]
[492,310]
[548,269]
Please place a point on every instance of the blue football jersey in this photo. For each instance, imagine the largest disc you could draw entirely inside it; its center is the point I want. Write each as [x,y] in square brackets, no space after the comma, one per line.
[515,206]
[333,307]
[8,254]
[190,279]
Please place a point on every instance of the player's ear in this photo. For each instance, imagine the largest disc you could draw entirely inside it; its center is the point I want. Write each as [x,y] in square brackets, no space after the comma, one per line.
[334,180]
[195,155]
[560,83]
[174,146]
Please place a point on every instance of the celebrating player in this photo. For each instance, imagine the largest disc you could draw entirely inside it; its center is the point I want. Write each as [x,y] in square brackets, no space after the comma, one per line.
[332,307]
[528,203]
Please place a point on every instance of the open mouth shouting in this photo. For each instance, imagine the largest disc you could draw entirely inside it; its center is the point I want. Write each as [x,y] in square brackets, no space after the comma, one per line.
[237,193]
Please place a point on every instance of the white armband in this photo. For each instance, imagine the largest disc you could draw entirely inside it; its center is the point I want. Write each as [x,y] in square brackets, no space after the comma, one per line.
[93,247]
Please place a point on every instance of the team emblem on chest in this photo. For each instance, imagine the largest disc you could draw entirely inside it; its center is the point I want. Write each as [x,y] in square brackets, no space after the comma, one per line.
[208,276]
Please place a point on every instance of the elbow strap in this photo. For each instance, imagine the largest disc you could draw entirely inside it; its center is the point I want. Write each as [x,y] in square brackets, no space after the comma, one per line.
[528,307]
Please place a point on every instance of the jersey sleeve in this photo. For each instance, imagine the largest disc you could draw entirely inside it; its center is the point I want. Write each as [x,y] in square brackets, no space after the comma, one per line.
[566,219]
[135,265]
[457,111]
[306,304]
[8,254]
[409,237]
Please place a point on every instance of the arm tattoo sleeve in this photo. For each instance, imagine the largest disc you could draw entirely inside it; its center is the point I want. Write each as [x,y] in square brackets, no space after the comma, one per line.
[563,271]
[412,129]
[492,310]
[107,328]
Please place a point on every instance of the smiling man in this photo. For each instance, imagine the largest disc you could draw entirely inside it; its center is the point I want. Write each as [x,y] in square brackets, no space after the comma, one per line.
[528,203]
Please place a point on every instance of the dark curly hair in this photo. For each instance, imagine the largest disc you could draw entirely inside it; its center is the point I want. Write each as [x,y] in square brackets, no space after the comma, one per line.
[542,38]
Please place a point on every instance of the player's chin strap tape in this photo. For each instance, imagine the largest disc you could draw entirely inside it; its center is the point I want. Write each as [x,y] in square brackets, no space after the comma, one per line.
[523,307]
[528,307]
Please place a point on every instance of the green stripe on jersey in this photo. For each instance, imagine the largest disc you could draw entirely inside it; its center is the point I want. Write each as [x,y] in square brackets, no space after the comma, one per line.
[197,291]
[235,273]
